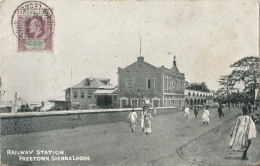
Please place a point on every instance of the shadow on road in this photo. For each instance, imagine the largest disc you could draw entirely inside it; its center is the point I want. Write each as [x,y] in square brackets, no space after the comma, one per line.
[232,158]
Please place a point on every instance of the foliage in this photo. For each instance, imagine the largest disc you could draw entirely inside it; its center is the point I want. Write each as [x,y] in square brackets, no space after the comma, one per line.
[246,71]
[235,98]
[140,93]
[227,82]
[197,86]
[24,108]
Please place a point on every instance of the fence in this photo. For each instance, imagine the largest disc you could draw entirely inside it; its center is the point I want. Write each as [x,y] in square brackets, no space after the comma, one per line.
[22,123]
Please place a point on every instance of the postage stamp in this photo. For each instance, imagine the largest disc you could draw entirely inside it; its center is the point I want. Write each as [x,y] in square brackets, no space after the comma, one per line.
[33,24]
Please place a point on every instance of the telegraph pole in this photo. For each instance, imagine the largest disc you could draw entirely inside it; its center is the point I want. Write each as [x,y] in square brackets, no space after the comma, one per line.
[140,46]
[71,87]
[15,103]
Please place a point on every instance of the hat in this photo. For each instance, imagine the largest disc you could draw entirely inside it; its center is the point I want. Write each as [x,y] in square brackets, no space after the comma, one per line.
[146,102]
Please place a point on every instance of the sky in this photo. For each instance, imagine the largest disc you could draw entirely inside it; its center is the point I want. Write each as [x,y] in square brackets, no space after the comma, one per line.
[94,38]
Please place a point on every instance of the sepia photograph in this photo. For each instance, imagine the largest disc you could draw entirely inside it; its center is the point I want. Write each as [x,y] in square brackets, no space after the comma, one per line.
[129,82]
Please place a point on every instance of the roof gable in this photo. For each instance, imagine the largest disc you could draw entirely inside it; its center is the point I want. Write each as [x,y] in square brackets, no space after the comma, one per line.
[139,65]
[94,83]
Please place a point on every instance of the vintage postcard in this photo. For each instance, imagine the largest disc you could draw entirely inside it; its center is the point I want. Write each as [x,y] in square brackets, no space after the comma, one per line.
[129,82]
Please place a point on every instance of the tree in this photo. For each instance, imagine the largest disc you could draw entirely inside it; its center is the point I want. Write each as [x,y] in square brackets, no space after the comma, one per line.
[227,82]
[197,86]
[246,71]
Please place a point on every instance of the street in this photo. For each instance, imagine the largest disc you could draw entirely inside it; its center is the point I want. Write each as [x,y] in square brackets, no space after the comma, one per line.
[174,141]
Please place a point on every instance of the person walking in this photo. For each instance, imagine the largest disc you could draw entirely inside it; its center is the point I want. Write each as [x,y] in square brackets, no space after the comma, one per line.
[145,107]
[147,122]
[205,116]
[186,111]
[142,119]
[242,133]
[249,108]
[195,110]
[220,112]
[133,118]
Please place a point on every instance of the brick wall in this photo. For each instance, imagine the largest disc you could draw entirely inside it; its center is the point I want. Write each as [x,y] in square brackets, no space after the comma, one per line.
[22,123]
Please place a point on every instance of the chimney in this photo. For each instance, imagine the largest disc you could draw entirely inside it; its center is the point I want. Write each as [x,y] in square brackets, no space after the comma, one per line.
[140,59]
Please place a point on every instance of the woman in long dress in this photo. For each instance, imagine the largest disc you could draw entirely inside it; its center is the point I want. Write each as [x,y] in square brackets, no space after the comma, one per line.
[145,107]
[147,122]
[186,112]
[205,116]
[142,120]
[133,118]
[242,133]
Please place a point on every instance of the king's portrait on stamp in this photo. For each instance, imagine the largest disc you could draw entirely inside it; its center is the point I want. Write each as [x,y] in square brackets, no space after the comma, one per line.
[35,27]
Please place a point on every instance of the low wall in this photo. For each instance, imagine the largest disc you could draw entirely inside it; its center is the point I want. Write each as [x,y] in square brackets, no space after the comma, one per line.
[22,123]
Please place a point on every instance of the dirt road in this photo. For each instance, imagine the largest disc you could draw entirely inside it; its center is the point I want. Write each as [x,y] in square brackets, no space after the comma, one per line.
[174,141]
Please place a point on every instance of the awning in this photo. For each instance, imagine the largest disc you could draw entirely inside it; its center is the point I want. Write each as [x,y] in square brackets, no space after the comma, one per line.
[111,92]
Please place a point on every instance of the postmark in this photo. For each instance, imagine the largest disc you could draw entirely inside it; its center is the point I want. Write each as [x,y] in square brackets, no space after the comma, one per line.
[33,24]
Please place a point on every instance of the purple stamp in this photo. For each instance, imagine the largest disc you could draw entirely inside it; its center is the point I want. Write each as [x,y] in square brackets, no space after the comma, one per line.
[33,24]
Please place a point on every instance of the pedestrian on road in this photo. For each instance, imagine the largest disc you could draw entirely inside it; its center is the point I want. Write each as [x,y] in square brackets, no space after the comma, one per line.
[195,111]
[145,108]
[147,122]
[249,108]
[186,111]
[133,118]
[142,120]
[242,133]
[220,112]
[205,116]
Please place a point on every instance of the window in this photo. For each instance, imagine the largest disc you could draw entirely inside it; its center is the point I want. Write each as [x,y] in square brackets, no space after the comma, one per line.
[67,94]
[129,83]
[169,84]
[75,94]
[82,94]
[89,94]
[166,83]
[134,103]
[150,83]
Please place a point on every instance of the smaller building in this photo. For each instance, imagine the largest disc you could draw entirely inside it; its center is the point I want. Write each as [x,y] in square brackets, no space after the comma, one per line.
[196,98]
[92,92]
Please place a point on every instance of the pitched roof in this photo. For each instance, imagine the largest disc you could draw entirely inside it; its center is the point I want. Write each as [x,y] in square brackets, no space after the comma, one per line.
[94,83]
[139,60]
[175,68]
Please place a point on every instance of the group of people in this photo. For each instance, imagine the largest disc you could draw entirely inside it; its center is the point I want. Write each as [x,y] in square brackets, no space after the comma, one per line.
[243,132]
[205,115]
[146,119]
